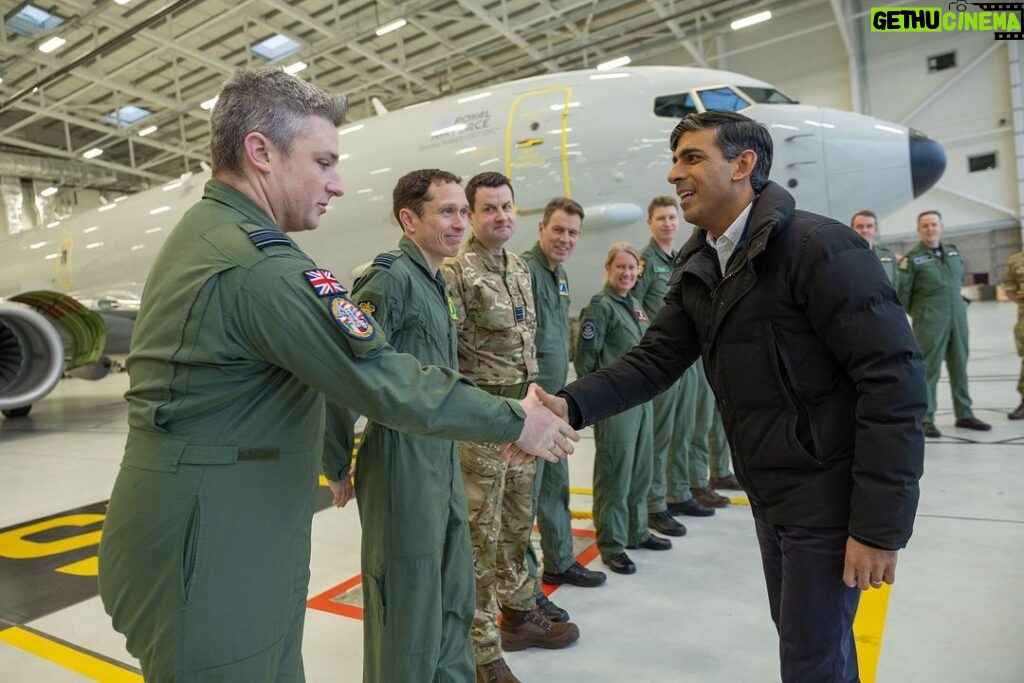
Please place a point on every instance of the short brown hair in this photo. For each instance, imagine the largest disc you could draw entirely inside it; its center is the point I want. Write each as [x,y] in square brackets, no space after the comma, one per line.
[412,190]
[659,201]
[486,179]
[925,213]
[864,212]
[563,204]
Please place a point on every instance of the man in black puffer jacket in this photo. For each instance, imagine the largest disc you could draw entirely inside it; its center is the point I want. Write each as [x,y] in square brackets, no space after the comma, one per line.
[816,373]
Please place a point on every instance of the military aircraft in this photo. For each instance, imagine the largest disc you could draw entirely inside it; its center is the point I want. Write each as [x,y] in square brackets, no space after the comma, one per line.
[600,137]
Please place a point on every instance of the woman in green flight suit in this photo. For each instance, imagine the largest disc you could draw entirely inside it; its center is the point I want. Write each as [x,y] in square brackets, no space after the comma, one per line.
[611,324]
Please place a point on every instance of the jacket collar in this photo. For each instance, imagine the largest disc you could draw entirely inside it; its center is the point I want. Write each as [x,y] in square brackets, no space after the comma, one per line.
[773,210]
[413,251]
[225,193]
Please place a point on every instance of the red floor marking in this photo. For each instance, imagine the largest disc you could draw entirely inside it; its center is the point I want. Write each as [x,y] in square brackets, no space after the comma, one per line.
[325,603]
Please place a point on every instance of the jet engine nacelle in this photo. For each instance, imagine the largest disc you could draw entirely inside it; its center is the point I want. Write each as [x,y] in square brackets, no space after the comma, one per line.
[42,335]
[31,358]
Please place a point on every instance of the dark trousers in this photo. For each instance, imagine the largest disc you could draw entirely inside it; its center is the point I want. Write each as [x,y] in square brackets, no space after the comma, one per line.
[811,606]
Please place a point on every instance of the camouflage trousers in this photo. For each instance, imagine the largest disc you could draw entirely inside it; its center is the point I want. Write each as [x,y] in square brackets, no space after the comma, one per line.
[500,502]
[1018,337]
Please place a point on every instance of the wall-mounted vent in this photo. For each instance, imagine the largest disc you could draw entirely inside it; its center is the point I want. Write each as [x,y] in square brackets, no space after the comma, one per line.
[947,60]
[981,162]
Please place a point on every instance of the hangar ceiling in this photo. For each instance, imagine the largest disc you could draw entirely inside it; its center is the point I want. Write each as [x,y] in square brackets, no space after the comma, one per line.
[160,60]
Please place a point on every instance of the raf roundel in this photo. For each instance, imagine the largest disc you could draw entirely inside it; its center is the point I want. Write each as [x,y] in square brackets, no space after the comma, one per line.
[350,319]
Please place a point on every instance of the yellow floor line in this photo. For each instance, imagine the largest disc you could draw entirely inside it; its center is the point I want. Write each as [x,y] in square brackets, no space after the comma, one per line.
[68,657]
[868,625]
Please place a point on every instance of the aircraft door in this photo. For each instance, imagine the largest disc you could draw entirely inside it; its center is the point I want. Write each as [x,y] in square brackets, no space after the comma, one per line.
[535,147]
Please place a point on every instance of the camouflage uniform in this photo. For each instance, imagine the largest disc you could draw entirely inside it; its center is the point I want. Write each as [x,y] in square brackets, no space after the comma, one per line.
[497,326]
[1013,281]
[609,327]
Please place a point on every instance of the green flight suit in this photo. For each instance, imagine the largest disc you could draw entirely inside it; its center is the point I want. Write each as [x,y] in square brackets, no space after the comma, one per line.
[204,558]
[610,326]
[675,417]
[417,560]
[551,482]
[1013,281]
[929,288]
[889,263]
[497,328]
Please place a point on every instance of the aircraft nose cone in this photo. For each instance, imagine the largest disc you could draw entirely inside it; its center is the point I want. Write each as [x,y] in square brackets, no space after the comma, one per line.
[927,161]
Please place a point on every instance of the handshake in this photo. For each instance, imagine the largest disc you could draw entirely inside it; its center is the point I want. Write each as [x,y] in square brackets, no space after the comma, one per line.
[547,433]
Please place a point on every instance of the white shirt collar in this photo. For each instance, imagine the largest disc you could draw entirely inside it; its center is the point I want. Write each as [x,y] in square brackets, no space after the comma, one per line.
[726,244]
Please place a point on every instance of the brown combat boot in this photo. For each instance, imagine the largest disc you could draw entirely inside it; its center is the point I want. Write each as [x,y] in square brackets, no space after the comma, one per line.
[520,630]
[708,498]
[495,672]
[1018,413]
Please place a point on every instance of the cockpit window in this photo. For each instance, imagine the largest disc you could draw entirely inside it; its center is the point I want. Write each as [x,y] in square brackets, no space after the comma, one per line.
[722,99]
[766,95]
[674,106]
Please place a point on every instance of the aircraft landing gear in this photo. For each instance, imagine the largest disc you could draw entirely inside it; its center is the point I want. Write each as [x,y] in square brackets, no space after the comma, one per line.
[17,412]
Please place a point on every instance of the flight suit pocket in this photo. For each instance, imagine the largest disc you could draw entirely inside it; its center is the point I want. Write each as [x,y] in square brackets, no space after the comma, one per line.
[496,319]
[190,551]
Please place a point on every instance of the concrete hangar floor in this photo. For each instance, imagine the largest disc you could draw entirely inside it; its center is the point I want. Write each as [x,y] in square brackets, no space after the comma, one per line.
[696,613]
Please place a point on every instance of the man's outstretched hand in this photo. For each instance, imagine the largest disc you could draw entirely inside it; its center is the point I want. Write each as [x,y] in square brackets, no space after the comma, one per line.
[546,433]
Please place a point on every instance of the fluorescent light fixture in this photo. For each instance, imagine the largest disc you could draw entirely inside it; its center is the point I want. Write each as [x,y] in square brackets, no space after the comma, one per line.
[92,228]
[52,44]
[48,192]
[393,26]
[783,126]
[558,131]
[38,245]
[50,257]
[470,98]
[490,161]
[121,198]
[466,150]
[296,67]
[108,207]
[613,63]
[122,2]
[171,186]
[53,224]
[136,247]
[378,171]
[146,131]
[159,209]
[448,129]
[153,230]
[94,245]
[601,77]
[92,153]
[567,105]
[275,47]
[888,129]
[208,104]
[751,20]
[340,158]
[364,190]
[351,129]
[818,124]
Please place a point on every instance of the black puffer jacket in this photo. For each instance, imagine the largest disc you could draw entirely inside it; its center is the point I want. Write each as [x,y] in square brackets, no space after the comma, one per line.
[817,374]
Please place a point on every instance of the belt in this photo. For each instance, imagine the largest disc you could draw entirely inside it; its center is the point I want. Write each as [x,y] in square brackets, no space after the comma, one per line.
[517,391]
